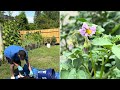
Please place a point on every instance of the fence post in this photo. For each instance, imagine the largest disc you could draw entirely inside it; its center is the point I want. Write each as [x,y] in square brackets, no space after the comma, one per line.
[1,46]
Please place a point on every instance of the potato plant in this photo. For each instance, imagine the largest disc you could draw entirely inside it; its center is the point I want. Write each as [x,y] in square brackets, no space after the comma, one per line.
[88,52]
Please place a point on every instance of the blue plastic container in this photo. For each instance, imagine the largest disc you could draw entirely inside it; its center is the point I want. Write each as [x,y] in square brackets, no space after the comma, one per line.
[35,72]
[46,74]
[57,75]
[40,73]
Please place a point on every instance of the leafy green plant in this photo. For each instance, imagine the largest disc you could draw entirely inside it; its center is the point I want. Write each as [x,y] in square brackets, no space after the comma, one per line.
[48,40]
[10,33]
[53,40]
[89,56]
[32,40]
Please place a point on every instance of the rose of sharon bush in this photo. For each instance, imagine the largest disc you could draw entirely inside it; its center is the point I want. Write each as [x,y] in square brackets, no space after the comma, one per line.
[87,31]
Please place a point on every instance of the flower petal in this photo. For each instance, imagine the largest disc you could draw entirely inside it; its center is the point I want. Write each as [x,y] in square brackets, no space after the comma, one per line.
[86,34]
[82,32]
[85,25]
[93,28]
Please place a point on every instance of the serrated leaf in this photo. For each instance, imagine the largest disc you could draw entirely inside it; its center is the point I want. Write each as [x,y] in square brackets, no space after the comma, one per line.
[101,42]
[116,51]
[72,74]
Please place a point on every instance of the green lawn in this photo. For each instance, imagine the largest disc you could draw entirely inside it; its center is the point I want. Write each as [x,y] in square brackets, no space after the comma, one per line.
[41,58]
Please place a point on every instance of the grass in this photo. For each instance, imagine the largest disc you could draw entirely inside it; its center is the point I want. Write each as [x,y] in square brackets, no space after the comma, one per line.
[41,58]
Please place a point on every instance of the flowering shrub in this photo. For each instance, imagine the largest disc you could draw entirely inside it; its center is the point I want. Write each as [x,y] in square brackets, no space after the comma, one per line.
[88,53]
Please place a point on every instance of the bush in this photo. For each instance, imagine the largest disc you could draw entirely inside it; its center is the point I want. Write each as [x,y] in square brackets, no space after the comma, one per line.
[48,40]
[33,40]
[53,40]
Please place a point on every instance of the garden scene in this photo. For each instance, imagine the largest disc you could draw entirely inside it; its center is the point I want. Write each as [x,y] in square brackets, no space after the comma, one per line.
[90,45]
[39,38]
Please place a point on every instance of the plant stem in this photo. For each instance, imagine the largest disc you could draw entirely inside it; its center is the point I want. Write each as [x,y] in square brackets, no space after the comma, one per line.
[87,70]
[111,69]
[102,68]
[93,65]
[103,64]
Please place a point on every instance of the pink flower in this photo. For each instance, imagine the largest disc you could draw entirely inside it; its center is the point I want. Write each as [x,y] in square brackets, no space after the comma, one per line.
[87,31]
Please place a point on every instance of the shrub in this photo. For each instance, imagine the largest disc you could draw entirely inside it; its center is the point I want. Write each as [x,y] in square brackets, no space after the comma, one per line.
[53,40]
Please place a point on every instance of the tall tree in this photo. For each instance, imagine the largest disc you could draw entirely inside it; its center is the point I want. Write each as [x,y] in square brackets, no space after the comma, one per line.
[54,15]
[47,19]
[22,21]
[37,13]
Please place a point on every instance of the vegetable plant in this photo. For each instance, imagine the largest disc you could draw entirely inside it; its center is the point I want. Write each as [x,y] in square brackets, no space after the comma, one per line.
[88,52]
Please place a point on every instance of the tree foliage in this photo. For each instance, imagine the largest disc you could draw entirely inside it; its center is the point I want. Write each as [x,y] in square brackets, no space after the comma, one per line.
[46,19]
[22,21]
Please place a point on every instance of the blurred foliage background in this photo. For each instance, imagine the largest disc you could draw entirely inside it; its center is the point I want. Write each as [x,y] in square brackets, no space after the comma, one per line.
[109,20]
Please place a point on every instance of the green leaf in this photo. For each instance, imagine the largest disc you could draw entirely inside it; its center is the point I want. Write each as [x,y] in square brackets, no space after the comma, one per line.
[82,75]
[67,54]
[108,65]
[64,35]
[71,17]
[64,74]
[82,19]
[72,56]
[63,58]
[77,63]
[64,66]
[97,74]
[112,57]
[117,63]
[113,62]
[116,51]
[99,29]
[115,29]
[100,49]
[76,50]
[101,42]
[72,74]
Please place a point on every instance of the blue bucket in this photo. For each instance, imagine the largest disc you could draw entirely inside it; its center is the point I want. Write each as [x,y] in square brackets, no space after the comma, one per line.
[46,74]
[57,75]
[35,72]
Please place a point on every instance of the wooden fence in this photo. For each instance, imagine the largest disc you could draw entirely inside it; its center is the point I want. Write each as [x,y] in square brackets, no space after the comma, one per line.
[45,33]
